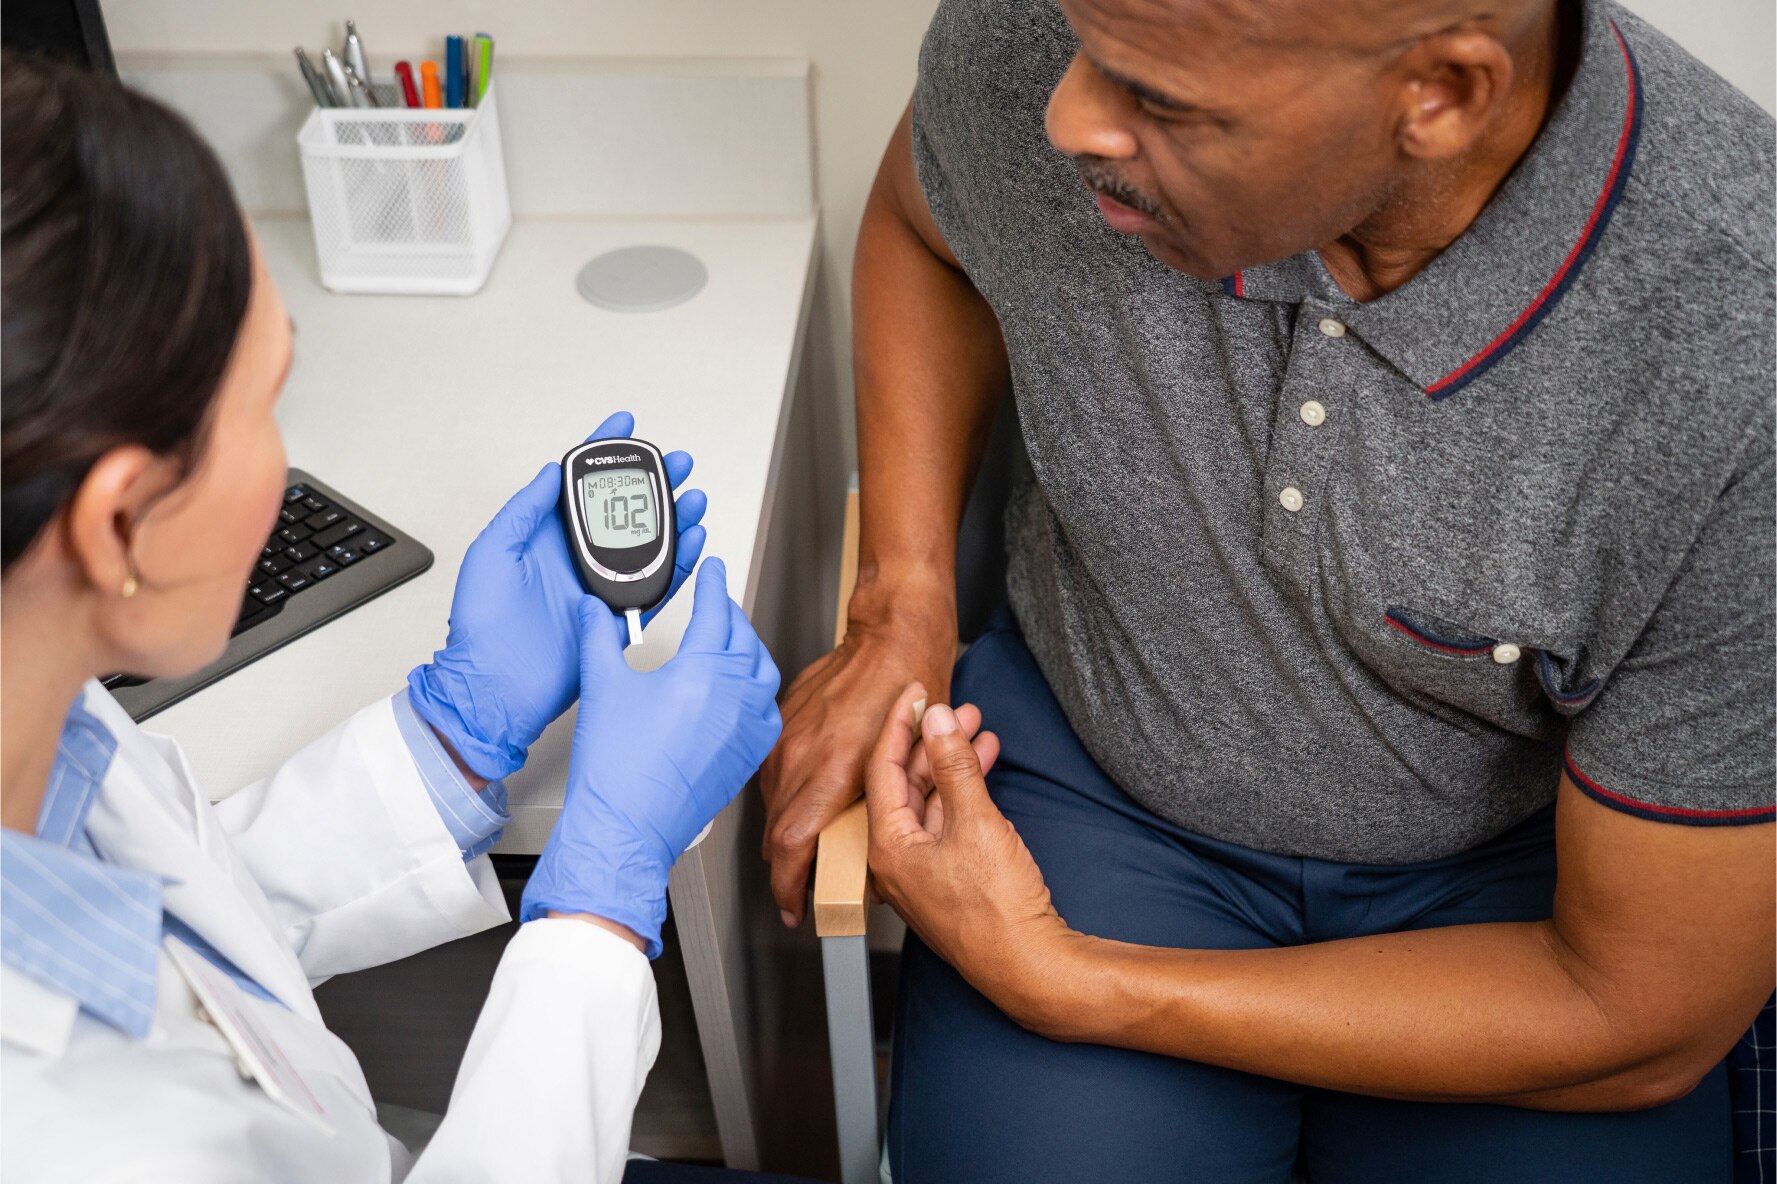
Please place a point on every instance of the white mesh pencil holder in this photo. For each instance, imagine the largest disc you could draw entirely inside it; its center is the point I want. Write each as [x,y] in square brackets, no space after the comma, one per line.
[406,200]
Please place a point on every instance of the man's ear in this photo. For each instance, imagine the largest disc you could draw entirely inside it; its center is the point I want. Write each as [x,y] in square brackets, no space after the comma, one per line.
[1453,86]
[102,517]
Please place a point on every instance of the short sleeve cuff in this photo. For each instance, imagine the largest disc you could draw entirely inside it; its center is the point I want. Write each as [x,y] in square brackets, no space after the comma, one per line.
[474,820]
[1598,784]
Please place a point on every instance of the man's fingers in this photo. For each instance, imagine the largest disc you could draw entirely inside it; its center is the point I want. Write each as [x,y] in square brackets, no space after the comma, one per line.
[790,846]
[987,751]
[894,743]
[956,769]
[677,466]
[888,795]
[920,769]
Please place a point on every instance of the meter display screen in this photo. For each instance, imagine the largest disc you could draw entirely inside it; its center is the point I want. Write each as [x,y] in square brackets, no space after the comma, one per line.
[619,508]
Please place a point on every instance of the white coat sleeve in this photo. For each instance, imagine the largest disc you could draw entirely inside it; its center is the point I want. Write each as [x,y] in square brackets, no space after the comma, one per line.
[549,1083]
[354,860]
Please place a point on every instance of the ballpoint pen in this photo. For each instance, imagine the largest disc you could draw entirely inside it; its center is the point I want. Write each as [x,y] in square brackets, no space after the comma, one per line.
[410,93]
[336,78]
[317,84]
[354,53]
[362,95]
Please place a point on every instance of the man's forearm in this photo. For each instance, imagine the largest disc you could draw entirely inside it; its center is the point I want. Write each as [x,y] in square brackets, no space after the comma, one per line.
[930,366]
[1477,1013]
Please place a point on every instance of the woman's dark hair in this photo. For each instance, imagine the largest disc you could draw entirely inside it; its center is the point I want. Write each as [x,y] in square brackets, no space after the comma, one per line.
[126,272]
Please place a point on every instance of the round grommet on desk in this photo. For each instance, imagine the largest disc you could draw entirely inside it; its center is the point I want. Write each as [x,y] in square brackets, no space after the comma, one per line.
[642,279]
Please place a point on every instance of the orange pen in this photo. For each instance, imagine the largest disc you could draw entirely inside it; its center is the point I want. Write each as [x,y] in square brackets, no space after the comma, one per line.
[429,84]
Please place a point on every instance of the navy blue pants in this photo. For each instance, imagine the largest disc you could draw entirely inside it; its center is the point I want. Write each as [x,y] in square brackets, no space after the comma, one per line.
[977,1099]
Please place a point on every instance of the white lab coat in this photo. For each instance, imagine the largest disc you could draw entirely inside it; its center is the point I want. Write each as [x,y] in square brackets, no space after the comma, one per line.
[336,862]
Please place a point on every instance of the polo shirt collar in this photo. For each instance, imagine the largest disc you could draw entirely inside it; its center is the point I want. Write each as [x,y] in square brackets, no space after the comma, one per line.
[1488,290]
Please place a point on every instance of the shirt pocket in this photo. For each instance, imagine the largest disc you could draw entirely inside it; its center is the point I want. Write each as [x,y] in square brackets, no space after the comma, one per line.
[1458,667]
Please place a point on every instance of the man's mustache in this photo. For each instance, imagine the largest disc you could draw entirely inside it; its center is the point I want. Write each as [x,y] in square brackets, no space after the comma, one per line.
[1101,177]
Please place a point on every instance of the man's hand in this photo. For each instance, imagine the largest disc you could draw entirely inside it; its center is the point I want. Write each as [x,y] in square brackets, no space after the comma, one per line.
[948,861]
[832,716]
[931,367]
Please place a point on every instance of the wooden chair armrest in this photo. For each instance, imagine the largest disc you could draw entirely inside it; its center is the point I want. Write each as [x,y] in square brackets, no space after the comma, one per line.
[842,853]
[841,875]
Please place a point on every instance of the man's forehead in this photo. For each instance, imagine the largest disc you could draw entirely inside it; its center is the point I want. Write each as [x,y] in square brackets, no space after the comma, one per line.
[1199,34]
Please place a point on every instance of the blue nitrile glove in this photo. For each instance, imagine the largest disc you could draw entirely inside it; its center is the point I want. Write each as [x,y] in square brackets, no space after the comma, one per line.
[511,661]
[656,757]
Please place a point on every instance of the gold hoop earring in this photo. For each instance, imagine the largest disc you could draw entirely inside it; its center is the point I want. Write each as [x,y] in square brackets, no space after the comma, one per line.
[129,586]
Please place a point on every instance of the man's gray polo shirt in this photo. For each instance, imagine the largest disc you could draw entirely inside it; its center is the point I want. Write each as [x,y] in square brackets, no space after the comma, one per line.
[1354,581]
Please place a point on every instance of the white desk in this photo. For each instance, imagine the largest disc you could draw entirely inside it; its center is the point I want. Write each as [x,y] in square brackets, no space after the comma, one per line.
[431,411]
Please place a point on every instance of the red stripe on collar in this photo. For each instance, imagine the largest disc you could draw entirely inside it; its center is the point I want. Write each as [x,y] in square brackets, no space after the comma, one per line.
[1558,283]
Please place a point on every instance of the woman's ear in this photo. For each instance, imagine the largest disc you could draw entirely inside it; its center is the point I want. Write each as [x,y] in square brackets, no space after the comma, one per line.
[103,516]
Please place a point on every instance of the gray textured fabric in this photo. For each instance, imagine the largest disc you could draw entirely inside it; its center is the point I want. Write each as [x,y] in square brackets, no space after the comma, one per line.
[1595,489]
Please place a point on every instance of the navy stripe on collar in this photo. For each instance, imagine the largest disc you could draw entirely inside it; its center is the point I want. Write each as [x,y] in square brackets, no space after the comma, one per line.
[1616,180]
[1545,301]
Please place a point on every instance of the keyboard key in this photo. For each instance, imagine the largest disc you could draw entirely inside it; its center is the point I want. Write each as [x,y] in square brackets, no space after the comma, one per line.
[296,581]
[295,494]
[371,542]
[274,566]
[291,516]
[294,534]
[323,519]
[301,552]
[314,503]
[337,533]
[320,569]
[268,592]
[272,548]
[345,556]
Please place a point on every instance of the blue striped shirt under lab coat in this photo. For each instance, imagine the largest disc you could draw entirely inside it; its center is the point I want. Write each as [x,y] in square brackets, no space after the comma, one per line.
[93,930]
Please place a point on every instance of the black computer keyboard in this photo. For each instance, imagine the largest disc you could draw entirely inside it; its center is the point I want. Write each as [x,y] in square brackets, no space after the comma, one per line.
[326,556]
[315,539]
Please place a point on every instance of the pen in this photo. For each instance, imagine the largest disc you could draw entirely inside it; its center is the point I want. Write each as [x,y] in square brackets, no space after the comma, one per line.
[336,79]
[484,64]
[354,53]
[362,95]
[453,71]
[317,84]
[410,95]
[429,83]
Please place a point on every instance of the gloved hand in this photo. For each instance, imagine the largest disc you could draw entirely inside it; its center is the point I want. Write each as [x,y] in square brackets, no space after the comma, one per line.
[656,757]
[511,661]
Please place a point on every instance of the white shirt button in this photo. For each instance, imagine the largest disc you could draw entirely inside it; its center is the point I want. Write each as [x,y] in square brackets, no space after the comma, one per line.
[1331,327]
[1313,414]
[1290,498]
[1505,653]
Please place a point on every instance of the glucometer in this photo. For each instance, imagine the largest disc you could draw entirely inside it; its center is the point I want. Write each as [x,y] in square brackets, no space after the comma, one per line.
[617,508]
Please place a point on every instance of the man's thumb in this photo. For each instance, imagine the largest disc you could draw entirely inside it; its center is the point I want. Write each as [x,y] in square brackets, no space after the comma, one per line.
[955,769]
